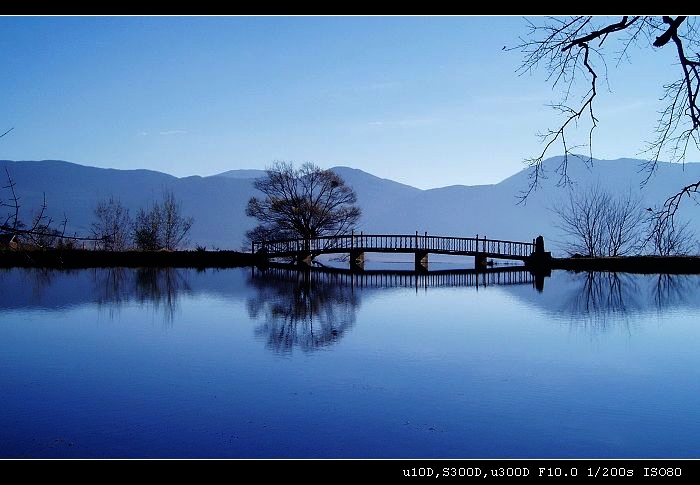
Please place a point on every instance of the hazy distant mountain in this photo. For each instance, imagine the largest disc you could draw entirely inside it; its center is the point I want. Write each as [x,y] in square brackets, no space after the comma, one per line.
[243,174]
[218,202]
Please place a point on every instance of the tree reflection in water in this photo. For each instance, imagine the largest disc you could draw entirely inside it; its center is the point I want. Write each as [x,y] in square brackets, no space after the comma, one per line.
[159,287]
[303,309]
[605,293]
[111,287]
[598,296]
[313,309]
[671,291]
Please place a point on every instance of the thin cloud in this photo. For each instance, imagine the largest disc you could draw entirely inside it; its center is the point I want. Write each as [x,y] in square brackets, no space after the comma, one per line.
[173,132]
[405,122]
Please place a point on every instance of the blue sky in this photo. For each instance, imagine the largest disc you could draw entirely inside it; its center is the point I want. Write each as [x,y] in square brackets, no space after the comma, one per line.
[428,101]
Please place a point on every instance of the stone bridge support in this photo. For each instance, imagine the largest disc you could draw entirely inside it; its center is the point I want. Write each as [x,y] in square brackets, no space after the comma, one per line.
[421,260]
[539,259]
[540,263]
[357,259]
[304,258]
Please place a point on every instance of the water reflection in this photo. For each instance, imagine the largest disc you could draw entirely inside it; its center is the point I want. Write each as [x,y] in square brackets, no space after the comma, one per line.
[598,298]
[383,278]
[160,288]
[448,371]
[313,309]
[109,288]
[300,309]
[601,294]
[673,291]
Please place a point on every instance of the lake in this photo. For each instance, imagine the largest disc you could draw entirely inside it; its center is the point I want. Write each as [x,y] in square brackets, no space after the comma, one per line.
[251,363]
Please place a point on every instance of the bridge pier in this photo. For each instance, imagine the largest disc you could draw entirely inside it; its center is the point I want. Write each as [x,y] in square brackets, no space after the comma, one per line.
[357,259]
[539,263]
[479,261]
[539,259]
[304,259]
[421,262]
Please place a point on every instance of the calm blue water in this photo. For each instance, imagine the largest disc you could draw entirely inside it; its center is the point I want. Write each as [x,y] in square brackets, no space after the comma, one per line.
[240,364]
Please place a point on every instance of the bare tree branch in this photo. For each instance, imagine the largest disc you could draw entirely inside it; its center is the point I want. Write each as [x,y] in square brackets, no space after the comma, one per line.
[569,48]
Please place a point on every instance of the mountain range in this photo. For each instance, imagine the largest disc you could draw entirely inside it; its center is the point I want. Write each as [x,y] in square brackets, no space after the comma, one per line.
[217,203]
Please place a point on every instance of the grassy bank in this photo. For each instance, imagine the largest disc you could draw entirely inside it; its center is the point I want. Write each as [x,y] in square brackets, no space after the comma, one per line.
[631,264]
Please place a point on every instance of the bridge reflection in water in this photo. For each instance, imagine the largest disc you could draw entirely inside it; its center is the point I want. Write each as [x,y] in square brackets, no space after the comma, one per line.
[514,275]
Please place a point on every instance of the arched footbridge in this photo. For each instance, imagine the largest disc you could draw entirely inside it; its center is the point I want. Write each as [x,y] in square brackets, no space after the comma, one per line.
[356,245]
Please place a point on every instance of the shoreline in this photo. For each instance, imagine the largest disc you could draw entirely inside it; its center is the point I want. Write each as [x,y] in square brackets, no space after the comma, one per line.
[630,264]
[85,258]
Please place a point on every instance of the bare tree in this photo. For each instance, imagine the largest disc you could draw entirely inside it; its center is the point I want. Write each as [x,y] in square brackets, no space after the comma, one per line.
[668,237]
[40,233]
[175,226]
[598,224]
[623,219]
[11,222]
[147,230]
[575,47]
[303,203]
[113,226]
[162,226]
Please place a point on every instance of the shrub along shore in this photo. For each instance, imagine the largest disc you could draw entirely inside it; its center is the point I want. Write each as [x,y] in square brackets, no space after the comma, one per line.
[82,258]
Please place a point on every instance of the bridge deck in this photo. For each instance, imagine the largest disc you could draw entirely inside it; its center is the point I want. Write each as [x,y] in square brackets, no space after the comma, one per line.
[397,243]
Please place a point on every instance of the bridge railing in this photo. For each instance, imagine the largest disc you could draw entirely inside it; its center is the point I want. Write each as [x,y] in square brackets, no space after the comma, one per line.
[415,241]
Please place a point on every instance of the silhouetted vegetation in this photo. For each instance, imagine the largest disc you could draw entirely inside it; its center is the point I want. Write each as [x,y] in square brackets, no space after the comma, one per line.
[599,223]
[162,226]
[669,237]
[302,203]
[113,226]
[40,233]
